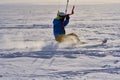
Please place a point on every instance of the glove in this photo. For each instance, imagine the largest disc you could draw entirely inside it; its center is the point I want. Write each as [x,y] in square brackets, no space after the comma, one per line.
[67,17]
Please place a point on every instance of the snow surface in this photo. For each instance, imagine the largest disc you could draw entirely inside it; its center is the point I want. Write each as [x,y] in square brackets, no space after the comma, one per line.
[28,50]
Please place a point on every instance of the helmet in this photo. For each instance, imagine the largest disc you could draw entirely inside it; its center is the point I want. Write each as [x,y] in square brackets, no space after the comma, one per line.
[61,15]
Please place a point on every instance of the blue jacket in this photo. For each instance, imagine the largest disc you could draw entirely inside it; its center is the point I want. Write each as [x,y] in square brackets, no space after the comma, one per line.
[57,26]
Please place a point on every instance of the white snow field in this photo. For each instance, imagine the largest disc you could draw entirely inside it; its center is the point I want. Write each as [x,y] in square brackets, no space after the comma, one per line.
[28,50]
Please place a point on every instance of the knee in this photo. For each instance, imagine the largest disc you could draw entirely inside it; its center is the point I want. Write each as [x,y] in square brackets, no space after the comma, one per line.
[73,34]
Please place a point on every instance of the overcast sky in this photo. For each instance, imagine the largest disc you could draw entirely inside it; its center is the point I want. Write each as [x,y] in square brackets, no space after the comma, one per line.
[59,1]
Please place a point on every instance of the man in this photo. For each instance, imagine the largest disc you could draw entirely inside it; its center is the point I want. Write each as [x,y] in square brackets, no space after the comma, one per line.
[59,24]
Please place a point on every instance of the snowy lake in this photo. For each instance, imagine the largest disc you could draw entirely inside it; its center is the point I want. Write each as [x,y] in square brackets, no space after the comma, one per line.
[28,50]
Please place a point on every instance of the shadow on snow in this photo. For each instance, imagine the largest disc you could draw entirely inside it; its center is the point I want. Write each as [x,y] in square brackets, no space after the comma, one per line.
[67,74]
[51,51]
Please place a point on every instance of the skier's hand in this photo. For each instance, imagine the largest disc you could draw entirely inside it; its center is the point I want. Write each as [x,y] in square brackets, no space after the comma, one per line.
[67,17]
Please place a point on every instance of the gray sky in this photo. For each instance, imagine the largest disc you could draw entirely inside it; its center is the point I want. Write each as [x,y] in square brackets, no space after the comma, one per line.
[60,1]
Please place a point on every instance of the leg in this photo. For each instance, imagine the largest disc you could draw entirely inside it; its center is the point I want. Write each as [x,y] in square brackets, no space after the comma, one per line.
[60,38]
[73,34]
